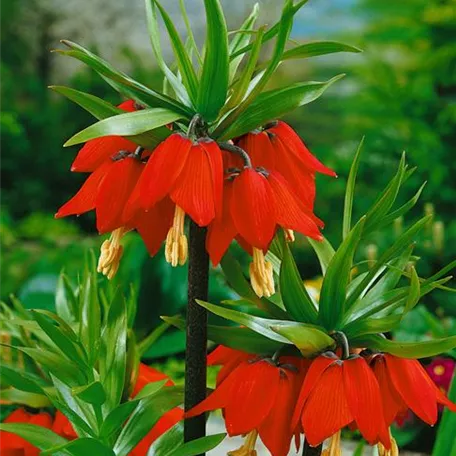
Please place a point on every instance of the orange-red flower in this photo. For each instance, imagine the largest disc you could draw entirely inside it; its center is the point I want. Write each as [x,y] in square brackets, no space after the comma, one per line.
[405,384]
[228,358]
[258,398]
[146,375]
[63,427]
[255,202]
[12,444]
[277,147]
[336,393]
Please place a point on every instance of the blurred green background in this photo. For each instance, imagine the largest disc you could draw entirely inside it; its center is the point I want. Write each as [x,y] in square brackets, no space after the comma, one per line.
[400,93]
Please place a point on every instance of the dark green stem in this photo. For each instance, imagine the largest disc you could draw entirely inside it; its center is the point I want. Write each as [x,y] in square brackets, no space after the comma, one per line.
[196,345]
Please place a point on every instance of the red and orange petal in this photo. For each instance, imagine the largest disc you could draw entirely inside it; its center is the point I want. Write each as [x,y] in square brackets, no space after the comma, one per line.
[63,427]
[228,358]
[198,191]
[84,200]
[163,168]
[364,400]
[295,146]
[114,191]
[146,375]
[260,150]
[289,211]
[326,410]
[252,208]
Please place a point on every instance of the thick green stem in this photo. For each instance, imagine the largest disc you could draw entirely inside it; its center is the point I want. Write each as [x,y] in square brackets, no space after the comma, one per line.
[195,353]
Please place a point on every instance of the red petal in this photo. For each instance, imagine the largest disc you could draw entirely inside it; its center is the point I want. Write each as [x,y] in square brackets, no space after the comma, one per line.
[228,358]
[259,148]
[276,431]
[411,381]
[231,161]
[128,105]
[249,403]
[297,148]
[290,212]
[96,151]
[163,168]
[326,410]
[252,208]
[153,225]
[114,192]
[84,200]
[300,178]
[214,156]
[222,230]
[392,401]
[364,400]
[315,371]
[194,190]
[146,375]
[63,427]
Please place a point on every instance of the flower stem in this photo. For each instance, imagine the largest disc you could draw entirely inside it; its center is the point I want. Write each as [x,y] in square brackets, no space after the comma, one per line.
[195,353]
[307,450]
[237,150]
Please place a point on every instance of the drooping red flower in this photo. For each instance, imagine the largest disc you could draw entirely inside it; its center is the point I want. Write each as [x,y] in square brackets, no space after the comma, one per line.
[258,398]
[228,358]
[96,151]
[405,384]
[277,147]
[190,173]
[255,203]
[63,427]
[336,393]
[146,375]
[12,444]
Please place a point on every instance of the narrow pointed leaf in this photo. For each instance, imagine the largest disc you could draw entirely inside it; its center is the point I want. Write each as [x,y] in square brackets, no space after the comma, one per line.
[66,303]
[81,447]
[198,446]
[93,393]
[414,292]
[21,380]
[38,436]
[317,48]
[371,326]
[324,250]
[116,418]
[213,86]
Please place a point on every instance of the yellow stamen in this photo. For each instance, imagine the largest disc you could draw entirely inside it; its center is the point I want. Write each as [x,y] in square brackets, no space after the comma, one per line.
[111,253]
[176,248]
[439,370]
[248,448]
[261,275]
[334,448]
[393,451]
[289,235]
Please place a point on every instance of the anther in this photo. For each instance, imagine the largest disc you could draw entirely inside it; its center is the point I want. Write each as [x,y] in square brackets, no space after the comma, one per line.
[111,253]
[261,275]
[176,248]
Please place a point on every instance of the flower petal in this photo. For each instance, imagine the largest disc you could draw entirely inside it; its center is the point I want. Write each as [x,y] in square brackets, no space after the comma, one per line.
[163,168]
[290,212]
[326,410]
[363,398]
[84,200]
[411,381]
[252,208]
[298,149]
[259,148]
[114,192]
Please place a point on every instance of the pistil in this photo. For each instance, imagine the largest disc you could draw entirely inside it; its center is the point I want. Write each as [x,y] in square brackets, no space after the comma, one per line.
[248,448]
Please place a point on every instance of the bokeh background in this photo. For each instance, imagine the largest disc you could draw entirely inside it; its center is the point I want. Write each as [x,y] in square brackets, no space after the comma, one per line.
[400,93]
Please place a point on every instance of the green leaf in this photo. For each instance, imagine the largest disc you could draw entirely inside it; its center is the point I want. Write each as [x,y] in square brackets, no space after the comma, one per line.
[335,282]
[183,60]
[81,447]
[309,339]
[128,124]
[424,349]
[154,34]
[22,380]
[274,104]
[316,48]
[148,341]
[371,326]
[93,393]
[38,436]
[241,40]
[445,444]
[324,250]
[350,191]
[213,86]
[14,396]
[147,413]
[414,292]
[66,303]
[123,83]
[296,299]
[198,446]
[234,337]
[257,324]
[116,418]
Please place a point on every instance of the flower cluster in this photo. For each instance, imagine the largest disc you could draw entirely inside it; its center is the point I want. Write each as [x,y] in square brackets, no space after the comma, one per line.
[319,398]
[241,190]
[12,444]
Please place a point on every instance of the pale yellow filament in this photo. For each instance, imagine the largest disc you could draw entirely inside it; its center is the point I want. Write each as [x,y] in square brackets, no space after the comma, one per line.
[261,275]
[393,451]
[289,235]
[110,253]
[176,249]
[334,448]
[248,447]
